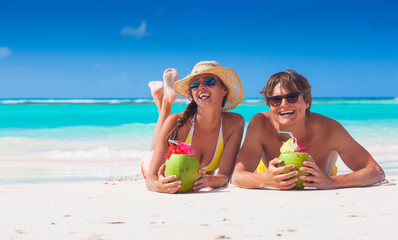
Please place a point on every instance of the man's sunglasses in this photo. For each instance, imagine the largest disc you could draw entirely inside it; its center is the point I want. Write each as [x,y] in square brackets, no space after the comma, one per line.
[208,81]
[290,98]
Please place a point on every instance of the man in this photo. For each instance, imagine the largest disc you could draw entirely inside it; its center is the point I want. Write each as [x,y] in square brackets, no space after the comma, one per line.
[288,95]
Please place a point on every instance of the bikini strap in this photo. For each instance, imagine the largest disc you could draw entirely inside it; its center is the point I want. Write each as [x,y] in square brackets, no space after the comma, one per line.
[188,140]
[219,150]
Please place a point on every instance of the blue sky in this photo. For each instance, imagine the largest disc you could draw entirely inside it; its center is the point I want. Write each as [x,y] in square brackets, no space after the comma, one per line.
[112,49]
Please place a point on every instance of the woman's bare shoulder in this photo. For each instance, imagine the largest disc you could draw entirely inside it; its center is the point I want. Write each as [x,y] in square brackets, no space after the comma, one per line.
[173,117]
[172,120]
[231,116]
[233,120]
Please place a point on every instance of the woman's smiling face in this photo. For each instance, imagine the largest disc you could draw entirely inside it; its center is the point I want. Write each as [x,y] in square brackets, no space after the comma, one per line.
[207,89]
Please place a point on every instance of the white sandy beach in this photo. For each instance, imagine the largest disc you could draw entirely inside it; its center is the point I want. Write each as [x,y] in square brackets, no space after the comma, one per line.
[124,209]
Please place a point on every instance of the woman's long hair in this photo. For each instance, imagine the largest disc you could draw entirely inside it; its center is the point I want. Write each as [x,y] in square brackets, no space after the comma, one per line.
[188,112]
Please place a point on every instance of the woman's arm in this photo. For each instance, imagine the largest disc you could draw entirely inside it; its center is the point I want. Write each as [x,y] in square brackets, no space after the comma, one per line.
[155,180]
[234,125]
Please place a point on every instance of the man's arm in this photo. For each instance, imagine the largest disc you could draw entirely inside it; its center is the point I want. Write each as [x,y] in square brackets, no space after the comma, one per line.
[365,169]
[244,175]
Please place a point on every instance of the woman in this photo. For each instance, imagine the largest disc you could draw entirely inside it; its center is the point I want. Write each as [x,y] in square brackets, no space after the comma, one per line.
[214,134]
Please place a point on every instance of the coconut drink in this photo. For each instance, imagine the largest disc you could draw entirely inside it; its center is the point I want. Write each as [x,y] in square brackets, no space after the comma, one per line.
[290,154]
[180,161]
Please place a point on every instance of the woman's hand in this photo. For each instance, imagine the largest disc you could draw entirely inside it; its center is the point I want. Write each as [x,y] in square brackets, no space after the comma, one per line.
[279,179]
[202,182]
[166,182]
[317,178]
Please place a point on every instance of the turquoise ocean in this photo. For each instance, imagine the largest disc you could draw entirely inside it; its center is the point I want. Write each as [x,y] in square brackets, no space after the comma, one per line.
[93,139]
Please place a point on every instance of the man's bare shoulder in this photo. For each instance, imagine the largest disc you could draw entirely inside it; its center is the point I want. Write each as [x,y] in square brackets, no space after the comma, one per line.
[322,121]
[261,123]
[262,118]
[325,126]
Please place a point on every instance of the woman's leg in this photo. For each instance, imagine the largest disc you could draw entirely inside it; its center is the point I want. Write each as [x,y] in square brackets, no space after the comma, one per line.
[157,92]
[163,102]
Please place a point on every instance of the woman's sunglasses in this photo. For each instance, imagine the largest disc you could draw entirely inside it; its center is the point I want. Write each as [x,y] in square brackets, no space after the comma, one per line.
[290,98]
[208,81]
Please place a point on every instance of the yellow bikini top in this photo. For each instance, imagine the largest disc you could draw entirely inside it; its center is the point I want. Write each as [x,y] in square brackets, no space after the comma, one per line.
[215,162]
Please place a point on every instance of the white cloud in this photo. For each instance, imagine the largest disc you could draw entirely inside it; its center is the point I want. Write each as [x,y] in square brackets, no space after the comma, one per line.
[138,33]
[4,52]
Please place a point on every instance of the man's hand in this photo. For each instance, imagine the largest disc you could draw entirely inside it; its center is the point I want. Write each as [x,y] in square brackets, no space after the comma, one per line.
[279,179]
[317,178]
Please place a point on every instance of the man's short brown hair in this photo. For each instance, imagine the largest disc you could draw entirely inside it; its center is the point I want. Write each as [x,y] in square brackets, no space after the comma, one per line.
[291,81]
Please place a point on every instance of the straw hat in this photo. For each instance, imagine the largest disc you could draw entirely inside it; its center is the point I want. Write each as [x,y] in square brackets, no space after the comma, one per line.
[228,77]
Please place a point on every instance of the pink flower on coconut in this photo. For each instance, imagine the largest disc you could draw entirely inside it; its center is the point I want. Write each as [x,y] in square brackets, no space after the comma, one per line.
[179,148]
[184,148]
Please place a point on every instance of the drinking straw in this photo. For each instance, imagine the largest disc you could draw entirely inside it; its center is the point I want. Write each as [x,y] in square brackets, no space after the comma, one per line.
[290,134]
[175,142]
